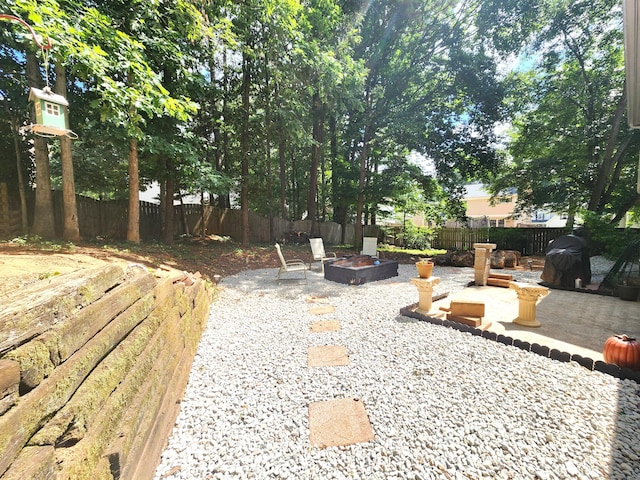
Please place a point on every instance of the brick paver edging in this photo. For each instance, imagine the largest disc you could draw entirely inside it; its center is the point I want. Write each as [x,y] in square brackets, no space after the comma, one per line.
[554,354]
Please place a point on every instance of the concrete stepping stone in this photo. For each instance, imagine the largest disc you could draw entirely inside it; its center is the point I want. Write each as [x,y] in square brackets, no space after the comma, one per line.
[338,422]
[317,299]
[325,326]
[327,356]
[322,309]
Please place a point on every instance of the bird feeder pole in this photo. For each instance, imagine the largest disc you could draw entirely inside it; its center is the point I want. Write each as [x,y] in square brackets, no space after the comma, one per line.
[42,46]
[50,109]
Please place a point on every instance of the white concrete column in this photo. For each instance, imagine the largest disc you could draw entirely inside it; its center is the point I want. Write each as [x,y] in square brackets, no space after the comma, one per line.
[528,296]
[425,292]
[482,262]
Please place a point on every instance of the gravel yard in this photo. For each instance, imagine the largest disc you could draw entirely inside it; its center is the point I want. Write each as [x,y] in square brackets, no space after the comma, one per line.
[441,403]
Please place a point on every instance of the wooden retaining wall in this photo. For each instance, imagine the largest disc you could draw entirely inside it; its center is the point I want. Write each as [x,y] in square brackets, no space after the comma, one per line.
[93,365]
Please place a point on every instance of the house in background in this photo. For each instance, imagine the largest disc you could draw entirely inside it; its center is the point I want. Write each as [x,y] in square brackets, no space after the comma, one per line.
[481,213]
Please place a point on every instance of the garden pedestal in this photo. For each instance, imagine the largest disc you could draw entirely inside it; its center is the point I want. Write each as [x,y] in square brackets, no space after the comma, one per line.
[528,296]
[425,292]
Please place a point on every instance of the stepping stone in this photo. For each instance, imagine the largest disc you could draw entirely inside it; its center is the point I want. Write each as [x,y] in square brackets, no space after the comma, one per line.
[325,326]
[327,356]
[322,310]
[316,299]
[342,421]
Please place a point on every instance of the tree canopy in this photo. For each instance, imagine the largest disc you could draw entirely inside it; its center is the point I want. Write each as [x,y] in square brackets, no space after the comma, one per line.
[571,147]
[314,108]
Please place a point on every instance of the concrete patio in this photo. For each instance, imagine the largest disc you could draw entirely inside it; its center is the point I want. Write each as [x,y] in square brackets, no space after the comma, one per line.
[573,322]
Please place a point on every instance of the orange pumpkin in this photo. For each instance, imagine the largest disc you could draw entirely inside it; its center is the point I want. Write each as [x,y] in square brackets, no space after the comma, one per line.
[622,351]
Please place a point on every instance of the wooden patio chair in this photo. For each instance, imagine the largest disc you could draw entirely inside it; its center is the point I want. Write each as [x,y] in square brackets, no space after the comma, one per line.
[370,246]
[290,266]
[319,255]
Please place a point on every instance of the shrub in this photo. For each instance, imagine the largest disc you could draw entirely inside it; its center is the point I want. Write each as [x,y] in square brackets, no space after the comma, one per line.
[419,238]
[606,238]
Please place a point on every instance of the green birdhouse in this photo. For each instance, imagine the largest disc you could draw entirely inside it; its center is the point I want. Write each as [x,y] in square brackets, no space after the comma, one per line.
[51,112]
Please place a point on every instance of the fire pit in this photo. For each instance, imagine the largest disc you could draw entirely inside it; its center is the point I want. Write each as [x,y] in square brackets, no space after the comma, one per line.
[359,269]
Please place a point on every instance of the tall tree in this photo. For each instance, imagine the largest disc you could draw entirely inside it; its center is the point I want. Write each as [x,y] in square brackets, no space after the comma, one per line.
[428,88]
[43,218]
[571,147]
[71,229]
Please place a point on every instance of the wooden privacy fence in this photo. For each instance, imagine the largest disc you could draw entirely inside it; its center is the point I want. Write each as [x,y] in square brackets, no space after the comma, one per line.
[528,241]
[108,219]
[10,221]
[460,238]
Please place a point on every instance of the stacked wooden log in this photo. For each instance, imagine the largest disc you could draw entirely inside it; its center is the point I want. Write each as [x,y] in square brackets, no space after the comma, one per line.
[92,367]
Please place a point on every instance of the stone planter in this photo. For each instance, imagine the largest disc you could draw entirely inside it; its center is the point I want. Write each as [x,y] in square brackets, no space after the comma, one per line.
[424,269]
[628,292]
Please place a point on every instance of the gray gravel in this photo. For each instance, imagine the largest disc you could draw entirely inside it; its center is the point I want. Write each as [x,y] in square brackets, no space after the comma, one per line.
[442,404]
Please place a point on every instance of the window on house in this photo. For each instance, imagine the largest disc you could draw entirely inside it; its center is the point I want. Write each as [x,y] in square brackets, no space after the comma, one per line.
[540,216]
[492,223]
[52,109]
[501,223]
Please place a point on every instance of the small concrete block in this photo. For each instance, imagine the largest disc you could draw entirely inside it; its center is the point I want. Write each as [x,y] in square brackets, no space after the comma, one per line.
[468,308]
[338,422]
[467,320]
[501,276]
[317,299]
[325,326]
[322,310]
[486,246]
[498,282]
[327,356]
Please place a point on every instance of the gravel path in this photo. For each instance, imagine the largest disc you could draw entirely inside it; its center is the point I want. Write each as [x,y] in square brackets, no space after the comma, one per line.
[442,404]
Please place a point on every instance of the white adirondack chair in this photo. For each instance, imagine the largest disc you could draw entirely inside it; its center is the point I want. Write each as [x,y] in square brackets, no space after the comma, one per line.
[317,249]
[370,246]
[290,266]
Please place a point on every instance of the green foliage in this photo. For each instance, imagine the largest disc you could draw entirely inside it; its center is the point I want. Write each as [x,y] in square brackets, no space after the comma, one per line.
[414,237]
[508,238]
[423,253]
[391,78]
[40,243]
[570,147]
[605,237]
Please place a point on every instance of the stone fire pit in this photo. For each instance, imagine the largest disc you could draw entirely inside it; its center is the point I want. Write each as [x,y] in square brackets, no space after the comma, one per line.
[359,269]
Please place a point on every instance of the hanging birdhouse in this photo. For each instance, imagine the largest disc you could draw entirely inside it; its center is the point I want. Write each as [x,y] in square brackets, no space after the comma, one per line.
[51,112]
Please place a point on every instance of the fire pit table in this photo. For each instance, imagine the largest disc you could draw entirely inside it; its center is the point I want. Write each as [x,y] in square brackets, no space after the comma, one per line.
[359,269]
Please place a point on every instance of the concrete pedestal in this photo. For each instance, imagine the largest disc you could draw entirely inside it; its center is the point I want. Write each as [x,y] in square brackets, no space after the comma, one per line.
[482,262]
[425,292]
[528,296]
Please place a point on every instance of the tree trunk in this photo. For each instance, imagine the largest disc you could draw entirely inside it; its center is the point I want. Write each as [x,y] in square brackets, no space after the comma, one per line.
[43,215]
[168,205]
[203,230]
[133,226]
[267,141]
[224,201]
[360,208]
[244,152]
[338,202]
[21,186]
[597,199]
[282,160]
[71,229]
[183,215]
[316,115]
